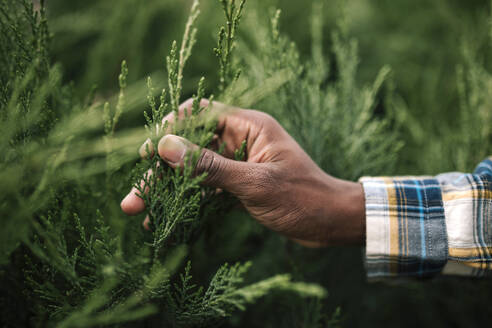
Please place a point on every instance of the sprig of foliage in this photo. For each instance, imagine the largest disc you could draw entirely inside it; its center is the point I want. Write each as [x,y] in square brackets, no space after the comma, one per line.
[224,295]
[226,42]
[176,62]
[111,120]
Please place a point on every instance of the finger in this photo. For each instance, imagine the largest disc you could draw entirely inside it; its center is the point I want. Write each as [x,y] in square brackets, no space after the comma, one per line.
[221,172]
[233,125]
[147,149]
[184,111]
[133,203]
[216,111]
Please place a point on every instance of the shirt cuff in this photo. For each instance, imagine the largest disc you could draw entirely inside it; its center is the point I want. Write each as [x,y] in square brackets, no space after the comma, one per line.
[468,203]
[405,227]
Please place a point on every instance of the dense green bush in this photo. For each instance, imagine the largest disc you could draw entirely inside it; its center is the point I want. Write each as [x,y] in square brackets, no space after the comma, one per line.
[69,257]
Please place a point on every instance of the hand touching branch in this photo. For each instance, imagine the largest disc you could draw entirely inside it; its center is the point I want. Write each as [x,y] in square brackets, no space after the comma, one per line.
[279,184]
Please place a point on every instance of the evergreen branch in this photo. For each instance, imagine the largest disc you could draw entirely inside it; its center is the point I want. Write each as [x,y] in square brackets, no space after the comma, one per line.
[189,40]
[176,62]
[226,42]
[121,97]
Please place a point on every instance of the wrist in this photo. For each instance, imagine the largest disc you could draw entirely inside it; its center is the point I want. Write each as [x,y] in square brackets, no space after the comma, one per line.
[345,212]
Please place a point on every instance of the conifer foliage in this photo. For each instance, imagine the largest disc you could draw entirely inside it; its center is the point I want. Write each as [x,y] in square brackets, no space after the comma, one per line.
[81,266]
[69,257]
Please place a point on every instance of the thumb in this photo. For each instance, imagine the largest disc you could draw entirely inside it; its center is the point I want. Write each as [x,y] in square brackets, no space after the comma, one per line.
[221,172]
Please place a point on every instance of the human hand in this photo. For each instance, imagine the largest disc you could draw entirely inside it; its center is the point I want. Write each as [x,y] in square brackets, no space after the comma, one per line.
[278,184]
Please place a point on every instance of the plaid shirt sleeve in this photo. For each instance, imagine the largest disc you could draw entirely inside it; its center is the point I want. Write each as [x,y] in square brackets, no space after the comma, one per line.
[423,226]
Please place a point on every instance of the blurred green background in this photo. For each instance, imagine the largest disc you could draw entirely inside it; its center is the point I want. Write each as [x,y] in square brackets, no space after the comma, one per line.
[423,42]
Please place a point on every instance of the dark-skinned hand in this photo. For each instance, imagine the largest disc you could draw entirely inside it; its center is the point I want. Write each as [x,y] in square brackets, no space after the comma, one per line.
[278,184]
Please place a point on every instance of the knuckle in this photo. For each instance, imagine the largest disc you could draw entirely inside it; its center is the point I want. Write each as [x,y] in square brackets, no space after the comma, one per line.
[187,103]
[207,163]
[264,119]
[267,118]
[204,102]
[185,107]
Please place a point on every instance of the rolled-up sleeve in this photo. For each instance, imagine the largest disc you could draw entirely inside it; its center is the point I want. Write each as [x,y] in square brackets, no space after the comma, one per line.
[423,226]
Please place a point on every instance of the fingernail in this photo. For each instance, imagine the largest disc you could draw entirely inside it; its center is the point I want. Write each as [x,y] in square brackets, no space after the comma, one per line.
[146,149]
[172,149]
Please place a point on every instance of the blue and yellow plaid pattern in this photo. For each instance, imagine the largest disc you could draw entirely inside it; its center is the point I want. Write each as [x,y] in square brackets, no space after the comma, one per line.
[421,226]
